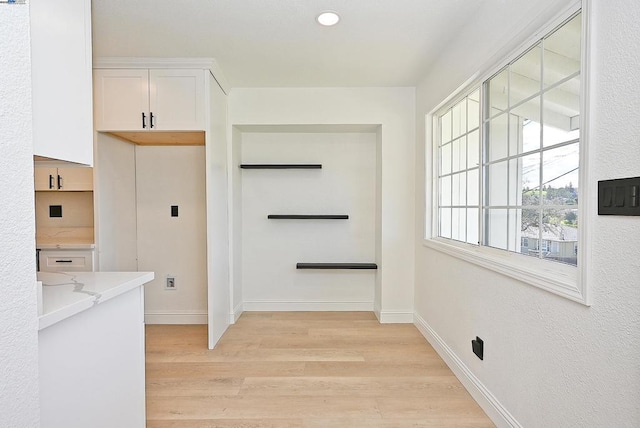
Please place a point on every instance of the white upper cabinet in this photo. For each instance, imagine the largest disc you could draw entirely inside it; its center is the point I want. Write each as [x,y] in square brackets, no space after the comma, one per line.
[121,99]
[72,179]
[61,79]
[149,100]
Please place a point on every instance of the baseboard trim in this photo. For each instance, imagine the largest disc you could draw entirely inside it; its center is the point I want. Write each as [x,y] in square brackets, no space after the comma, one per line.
[489,403]
[390,317]
[282,306]
[237,311]
[175,317]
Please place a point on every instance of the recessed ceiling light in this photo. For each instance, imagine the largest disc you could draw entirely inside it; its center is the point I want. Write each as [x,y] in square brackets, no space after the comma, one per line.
[328,18]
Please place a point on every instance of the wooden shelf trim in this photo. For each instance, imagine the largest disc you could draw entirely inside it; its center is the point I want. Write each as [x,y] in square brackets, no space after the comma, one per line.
[162,138]
[336,266]
[280,166]
[308,216]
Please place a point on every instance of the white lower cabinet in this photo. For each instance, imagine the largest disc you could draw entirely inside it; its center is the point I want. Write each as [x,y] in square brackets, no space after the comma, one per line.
[66,260]
[92,366]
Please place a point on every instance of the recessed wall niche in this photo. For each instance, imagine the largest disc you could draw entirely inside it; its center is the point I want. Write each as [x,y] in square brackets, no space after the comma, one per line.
[345,185]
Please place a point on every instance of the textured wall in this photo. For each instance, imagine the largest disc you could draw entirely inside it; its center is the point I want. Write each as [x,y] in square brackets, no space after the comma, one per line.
[18,313]
[549,361]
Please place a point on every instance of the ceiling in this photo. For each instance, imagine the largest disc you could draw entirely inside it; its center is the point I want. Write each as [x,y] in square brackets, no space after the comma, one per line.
[277,43]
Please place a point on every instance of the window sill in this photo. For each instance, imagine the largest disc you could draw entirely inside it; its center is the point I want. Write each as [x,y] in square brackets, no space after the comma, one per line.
[555,278]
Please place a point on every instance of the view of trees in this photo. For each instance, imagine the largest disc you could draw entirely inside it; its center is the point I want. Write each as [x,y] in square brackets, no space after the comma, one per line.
[564,196]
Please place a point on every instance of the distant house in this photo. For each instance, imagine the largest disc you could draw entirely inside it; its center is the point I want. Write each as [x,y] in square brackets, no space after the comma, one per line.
[559,242]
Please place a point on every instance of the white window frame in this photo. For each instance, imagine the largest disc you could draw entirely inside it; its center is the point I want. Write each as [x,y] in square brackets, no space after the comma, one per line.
[557,278]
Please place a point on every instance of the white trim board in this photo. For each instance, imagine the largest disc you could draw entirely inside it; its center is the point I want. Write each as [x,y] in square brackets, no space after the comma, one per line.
[235,314]
[489,403]
[393,317]
[175,317]
[283,306]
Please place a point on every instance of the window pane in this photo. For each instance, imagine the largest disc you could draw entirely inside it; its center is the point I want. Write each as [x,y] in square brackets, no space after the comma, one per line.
[515,187]
[530,179]
[472,226]
[561,113]
[560,233]
[529,232]
[458,224]
[560,175]
[445,159]
[562,52]
[497,228]
[459,154]
[525,75]
[473,149]
[459,119]
[473,114]
[455,229]
[445,191]
[463,117]
[525,127]
[497,184]
[497,138]
[497,93]
[459,184]
[455,156]
[473,187]
[514,230]
[445,222]
[445,128]
[463,189]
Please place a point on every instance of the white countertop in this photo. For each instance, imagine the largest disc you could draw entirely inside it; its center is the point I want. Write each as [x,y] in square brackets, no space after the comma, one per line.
[65,294]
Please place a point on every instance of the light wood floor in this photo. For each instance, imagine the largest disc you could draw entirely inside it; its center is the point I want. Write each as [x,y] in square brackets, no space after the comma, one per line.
[302,370]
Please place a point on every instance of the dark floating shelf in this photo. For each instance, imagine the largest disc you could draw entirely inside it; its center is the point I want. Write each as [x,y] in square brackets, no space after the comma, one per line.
[281,166]
[308,216]
[336,266]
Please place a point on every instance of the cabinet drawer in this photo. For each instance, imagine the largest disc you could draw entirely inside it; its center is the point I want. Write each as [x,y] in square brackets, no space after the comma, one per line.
[66,261]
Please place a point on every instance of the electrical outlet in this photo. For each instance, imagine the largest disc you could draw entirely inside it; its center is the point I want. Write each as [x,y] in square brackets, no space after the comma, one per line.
[478,347]
[171,283]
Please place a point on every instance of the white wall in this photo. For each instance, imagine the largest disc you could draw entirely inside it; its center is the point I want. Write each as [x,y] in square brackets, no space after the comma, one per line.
[167,245]
[77,210]
[18,312]
[271,248]
[393,109]
[135,188]
[549,362]
[115,204]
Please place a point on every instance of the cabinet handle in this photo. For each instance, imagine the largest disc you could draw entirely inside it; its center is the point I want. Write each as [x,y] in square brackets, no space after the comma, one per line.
[151,119]
[50,181]
[64,261]
[59,182]
[144,124]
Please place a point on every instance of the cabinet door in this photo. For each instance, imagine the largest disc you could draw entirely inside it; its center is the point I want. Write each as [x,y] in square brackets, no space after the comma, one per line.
[61,66]
[45,178]
[75,179]
[176,99]
[121,98]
